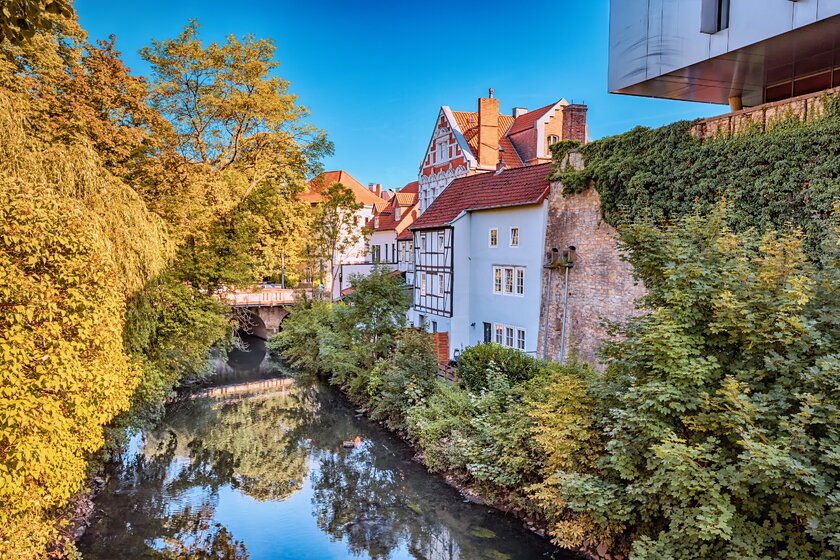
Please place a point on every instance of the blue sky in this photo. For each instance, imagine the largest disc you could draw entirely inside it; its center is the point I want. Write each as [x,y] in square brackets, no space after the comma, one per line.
[374,73]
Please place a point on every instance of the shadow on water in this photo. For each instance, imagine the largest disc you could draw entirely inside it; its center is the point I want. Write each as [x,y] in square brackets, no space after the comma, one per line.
[259,471]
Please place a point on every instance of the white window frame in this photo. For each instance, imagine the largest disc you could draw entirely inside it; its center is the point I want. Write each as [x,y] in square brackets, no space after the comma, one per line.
[508,280]
[439,285]
[552,139]
[397,213]
[441,242]
[514,237]
[422,283]
[493,238]
[441,149]
[422,241]
[510,336]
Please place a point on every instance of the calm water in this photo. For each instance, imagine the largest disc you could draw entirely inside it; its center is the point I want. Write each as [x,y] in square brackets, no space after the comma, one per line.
[263,474]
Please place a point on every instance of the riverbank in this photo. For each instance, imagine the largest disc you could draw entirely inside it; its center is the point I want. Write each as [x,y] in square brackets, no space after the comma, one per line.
[267,473]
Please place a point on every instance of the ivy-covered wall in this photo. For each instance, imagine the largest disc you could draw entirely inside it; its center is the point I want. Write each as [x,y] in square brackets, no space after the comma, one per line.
[787,176]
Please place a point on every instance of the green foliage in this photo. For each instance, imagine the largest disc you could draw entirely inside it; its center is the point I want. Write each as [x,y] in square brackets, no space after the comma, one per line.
[476,362]
[789,174]
[304,331]
[439,423]
[720,404]
[407,379]
[334,227]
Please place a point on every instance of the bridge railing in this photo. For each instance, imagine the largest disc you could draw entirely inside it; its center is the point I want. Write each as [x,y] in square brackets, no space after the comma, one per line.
[265,296]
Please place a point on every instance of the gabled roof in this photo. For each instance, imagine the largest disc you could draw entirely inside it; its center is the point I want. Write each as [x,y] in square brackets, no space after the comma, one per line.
[468,124]
[387,211]
[512,187]
[526,121]
[324,180]
[406,235]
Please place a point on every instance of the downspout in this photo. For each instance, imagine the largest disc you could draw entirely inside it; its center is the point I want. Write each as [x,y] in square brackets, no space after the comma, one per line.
[550,264]
[568,263]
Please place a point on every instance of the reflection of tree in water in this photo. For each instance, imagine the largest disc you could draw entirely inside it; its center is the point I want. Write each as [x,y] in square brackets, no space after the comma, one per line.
[374,509]
[253,443]
[194,537]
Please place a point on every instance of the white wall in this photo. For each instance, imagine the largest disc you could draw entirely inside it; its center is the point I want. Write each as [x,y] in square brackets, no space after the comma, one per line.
[383,239]
[512,310]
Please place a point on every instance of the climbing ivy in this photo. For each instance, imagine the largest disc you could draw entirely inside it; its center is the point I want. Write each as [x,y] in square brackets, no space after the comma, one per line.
[787,176]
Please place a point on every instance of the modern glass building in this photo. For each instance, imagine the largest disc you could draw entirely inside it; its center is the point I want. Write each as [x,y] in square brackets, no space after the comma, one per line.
[741,52]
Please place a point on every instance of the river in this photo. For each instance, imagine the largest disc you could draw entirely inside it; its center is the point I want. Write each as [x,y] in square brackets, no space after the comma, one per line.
[261,471]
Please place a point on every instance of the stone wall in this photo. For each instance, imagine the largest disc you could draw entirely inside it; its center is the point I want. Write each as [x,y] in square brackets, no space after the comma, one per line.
[601,285]
[805,108]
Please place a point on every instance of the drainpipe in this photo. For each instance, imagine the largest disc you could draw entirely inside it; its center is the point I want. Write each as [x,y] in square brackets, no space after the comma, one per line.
[550,264]
[569,262]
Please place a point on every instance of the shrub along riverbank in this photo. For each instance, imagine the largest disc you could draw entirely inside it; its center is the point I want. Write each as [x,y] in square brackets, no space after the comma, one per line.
[713,432]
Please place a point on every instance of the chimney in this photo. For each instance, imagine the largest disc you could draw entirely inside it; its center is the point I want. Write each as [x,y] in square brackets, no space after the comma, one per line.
[519,111]
[574,123]
[488,131]
[375,188]
[500,166]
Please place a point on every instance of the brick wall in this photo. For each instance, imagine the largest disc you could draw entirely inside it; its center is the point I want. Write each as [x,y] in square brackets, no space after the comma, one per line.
[574,122]
[601,285]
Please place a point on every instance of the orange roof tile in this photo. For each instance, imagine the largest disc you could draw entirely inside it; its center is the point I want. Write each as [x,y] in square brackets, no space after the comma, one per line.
[468,123]
[406,199]
[512,187]
[324,180]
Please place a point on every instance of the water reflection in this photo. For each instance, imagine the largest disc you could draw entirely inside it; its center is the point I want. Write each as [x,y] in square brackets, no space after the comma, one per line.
[262,473]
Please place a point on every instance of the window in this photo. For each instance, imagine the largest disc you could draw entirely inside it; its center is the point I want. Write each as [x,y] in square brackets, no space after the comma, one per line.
[441,150]
[714,16]
[422,241]
[374,253]
[509,280]
[422,283]
[434,326]
[514,237]
[494,237]
[553,139]
[393,252]
[506,335]
[376,221]
[440,284]
[488,332]
[397,213]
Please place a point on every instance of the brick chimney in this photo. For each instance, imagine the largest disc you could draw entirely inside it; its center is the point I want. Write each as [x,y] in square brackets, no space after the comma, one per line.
[488,131]
[574,122]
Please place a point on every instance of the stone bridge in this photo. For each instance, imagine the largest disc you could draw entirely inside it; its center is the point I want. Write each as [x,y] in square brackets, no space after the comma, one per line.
[260,311]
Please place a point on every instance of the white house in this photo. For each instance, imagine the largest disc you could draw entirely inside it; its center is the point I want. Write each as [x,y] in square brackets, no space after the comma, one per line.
[478,253]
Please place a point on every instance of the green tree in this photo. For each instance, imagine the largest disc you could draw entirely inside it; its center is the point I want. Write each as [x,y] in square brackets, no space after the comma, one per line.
[720,404]
[335,228]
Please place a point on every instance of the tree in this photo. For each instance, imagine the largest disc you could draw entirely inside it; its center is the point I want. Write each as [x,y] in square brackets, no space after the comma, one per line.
[720,405]
[335,228]
[228,110]
[21,19]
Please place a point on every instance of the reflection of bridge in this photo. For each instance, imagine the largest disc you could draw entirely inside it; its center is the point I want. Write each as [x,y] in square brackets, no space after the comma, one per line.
[226,391]
[261,310]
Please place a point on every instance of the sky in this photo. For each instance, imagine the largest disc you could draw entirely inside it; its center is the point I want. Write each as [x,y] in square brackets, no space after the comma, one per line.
[375,73]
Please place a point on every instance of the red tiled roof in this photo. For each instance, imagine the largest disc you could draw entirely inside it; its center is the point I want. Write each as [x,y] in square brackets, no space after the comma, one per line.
[526,121]
[406,235]
[508,153]
[324,180]
[512,187]
[406,198]
[468,123]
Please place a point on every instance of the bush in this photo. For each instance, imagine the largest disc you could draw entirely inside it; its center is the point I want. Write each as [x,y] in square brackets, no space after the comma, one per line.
[475,362]
[408,378]
[438,422]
